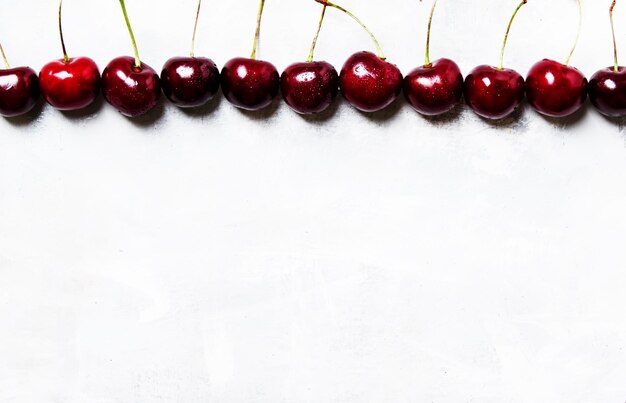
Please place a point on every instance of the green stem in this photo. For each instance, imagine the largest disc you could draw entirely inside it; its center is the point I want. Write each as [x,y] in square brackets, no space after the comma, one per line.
[615,62]
[195,28]
[506,35]
[317,34]
[132,36]
[66,59]
[379,51]
[430,22]
[257,32]
[580,25]
[4,57]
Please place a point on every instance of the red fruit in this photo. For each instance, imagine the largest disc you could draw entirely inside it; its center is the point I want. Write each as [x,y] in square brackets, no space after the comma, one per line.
[70,85]
[434,89]
[369,83]
[132,90]
[190,81]
[555,89]
[19,91]
[249,83]
[607,91]
[494,93]
[309,87]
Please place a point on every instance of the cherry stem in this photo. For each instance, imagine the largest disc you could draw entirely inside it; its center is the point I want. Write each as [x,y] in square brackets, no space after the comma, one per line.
[508,30]
[379,51]
[66,59]
[257,33]
[616,64]
[4,57]
[430,22]
[317,34]
[580,25]
[132,36]
[195,28]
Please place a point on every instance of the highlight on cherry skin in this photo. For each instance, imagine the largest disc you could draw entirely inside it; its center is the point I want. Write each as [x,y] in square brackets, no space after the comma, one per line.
[128,84]
[190,81]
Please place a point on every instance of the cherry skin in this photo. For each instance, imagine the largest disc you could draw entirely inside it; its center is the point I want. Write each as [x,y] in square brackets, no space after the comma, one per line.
[309,87]
[249,84]
[369,83]
[19,91]
[133,91]
[70,85]
[554,89]
[607,91]
[190,82]
[434,89]
[493,93]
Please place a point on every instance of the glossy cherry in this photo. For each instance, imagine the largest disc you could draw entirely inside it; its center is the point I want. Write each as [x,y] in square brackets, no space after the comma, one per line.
[128,84]
[434,89]
[19,91]
[369,83]
[309,87]
[555,89]
[494,93]
[190,81]
[607,87]
[133,90]
[249,83]
[70,85]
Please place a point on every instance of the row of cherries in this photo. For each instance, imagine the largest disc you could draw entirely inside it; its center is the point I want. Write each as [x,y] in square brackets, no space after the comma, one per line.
[367,81]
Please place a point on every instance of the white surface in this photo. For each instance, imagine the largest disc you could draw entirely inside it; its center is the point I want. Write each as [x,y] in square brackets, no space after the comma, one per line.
[231,257]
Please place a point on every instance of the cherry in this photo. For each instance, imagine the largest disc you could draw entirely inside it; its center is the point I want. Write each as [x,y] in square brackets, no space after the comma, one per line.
[495,92]
[249,83]
[128,84]
[19,89]
[434,88]
[555,89]
[310,87]
[190,81]
[69,83]
[607,87]
[367,81]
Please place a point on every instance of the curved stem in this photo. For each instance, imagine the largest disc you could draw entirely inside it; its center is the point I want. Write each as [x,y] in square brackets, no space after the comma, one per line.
[580,25]
[257,33]
[506,35]
[615,62]
[317,34]
[4,57]
[66,59]
[430,22]
[379,51]
[195,28]
[132,36]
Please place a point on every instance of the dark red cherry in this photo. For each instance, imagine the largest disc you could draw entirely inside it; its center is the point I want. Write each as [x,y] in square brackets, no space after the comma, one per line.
[493,93]
[190,81]
[249,83]
[607,91]
[555,89]
[134,91]
[19,91]
[369,83]
[434,89]
[309,87]
[70,85]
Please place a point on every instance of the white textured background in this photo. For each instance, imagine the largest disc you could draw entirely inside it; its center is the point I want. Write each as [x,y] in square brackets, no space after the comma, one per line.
[221,256]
